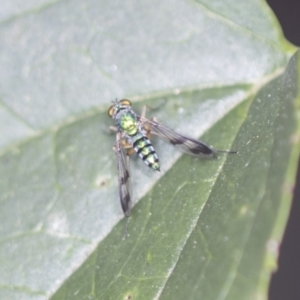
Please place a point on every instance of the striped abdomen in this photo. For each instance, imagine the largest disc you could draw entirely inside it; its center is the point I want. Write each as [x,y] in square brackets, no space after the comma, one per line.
[145,150]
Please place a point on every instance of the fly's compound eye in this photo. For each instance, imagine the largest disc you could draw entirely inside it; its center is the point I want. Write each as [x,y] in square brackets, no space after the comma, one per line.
[118,105]
[111,111]
[125,102]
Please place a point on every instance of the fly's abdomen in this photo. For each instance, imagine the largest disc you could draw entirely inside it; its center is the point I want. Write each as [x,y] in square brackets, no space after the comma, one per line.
[145,150]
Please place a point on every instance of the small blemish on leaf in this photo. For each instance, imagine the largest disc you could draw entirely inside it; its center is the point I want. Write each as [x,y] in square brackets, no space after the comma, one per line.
[101,182]
[149,257]
[243,210]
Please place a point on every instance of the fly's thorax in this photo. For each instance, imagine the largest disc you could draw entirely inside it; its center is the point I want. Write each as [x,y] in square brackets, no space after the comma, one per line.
[145,150]
[127,122]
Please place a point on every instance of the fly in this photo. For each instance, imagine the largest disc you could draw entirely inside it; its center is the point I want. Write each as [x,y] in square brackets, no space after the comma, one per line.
[132,135]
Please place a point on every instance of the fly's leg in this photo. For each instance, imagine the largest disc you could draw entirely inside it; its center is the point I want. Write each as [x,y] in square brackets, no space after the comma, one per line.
[113,129]
[146,126]
[126,145]
[143,112]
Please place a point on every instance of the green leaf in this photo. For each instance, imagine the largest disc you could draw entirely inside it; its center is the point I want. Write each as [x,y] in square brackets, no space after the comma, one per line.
[200,229]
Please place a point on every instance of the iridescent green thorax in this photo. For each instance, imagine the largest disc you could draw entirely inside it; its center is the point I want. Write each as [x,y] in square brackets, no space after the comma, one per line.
[127,122]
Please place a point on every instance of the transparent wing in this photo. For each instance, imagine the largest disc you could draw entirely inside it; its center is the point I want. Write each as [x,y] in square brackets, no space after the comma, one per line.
[182,142]
[123,177]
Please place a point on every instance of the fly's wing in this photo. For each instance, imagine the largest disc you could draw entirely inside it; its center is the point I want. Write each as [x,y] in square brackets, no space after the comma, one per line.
[182,142]
[123,177]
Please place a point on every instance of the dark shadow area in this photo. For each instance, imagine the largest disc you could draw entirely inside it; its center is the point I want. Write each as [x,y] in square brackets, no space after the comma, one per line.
[285,282]
[288,14]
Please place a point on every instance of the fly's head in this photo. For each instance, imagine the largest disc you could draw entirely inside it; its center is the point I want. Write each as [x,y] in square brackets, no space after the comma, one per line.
[117,106]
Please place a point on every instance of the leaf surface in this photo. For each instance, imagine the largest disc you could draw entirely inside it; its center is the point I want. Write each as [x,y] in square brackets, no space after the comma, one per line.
[200,228]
